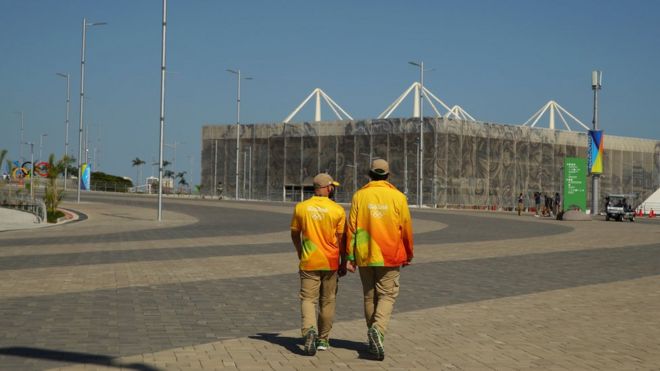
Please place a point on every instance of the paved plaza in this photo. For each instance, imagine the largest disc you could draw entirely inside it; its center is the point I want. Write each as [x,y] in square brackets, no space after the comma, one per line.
[215,286]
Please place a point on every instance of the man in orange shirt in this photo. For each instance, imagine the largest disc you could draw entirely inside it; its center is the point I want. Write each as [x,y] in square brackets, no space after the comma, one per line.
[320,222]
[380,241]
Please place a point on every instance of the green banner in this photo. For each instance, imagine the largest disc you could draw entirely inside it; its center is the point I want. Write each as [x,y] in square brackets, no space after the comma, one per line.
[575,183]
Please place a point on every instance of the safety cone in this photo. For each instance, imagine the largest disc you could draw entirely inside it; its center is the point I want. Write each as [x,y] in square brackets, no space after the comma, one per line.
[651,214]
[640,212]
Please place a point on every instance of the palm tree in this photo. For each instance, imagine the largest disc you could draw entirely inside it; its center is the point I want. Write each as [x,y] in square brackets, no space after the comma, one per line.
[53,194]
[182,180]
[138,162]
[165,165]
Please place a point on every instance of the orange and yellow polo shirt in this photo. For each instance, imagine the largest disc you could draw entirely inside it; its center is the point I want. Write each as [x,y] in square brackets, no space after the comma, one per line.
[320,220]
[379,229]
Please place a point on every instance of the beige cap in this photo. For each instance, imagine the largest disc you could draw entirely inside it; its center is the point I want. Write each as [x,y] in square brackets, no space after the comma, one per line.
[323,180]
[380,166]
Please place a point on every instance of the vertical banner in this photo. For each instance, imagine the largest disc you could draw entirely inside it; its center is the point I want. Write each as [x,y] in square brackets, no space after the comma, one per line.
[575,183]
[86,177]
[595,152]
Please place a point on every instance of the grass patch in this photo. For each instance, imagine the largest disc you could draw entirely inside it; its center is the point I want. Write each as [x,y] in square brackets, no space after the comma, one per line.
[52,217]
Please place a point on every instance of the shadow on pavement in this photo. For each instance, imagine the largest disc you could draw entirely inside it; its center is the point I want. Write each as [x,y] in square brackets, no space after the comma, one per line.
[73,357]
[295,345]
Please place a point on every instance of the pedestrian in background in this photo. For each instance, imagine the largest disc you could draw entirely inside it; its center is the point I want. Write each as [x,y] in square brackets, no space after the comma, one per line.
[537,202]
[317,230]
[380,242]
[521,200]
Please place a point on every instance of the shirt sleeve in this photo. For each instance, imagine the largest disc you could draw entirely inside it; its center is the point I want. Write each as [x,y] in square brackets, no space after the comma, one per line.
[406,229]
[341,223]
[351,229]
[295,221]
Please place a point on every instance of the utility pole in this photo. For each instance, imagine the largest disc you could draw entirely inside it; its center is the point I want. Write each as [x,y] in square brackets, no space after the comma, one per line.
[596,84]
[237,72]
[66,130]
[162,111]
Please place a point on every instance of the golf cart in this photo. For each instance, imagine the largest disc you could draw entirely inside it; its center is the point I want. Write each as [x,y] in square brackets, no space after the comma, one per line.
[620,207]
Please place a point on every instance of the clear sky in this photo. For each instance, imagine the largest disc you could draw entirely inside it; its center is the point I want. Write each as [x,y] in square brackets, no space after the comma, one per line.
[500,60]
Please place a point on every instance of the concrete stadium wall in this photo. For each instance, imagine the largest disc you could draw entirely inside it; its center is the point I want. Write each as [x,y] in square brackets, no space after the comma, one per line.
[466,164]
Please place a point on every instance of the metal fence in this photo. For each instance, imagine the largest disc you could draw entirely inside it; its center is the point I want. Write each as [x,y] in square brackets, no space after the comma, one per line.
[16,198]
[465,164]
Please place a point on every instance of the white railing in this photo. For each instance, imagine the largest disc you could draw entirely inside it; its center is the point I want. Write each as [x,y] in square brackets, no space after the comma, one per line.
[13,200]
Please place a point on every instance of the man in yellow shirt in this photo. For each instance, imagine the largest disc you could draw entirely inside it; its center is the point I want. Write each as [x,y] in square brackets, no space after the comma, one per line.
[380,241]
[317,230]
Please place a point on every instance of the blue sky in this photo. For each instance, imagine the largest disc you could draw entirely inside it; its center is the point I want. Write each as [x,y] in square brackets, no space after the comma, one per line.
[500,60]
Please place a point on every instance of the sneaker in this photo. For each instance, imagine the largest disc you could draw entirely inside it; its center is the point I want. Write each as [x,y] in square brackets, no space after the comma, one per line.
[322,344]
[376,346]
[310,342]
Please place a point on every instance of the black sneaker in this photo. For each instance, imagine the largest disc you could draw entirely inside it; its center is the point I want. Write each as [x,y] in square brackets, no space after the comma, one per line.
[310,342]
[376,346]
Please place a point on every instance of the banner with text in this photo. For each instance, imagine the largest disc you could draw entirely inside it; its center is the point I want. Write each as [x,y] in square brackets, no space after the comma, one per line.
[575,183]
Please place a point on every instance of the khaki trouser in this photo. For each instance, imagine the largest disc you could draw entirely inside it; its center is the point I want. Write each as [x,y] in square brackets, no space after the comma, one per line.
[380,286]
[318,286]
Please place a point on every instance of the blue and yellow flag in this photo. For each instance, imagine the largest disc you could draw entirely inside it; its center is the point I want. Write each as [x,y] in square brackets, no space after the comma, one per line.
[595,151]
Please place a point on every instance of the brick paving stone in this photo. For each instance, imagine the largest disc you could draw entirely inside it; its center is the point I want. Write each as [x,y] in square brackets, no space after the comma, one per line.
[203,291]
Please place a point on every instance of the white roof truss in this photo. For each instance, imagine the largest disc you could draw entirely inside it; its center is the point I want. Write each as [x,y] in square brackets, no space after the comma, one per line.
[320,94]
[553,108]
[432,100]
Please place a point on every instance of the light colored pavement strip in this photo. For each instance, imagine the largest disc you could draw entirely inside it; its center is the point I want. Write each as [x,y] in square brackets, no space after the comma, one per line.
[283,236]
[611,326]
[49,281]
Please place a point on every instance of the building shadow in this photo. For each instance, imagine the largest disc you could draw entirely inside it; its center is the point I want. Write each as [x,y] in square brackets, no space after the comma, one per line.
[295,344]
[73,357]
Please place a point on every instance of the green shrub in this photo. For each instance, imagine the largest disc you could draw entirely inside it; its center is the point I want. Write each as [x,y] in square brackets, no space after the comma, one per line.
[52,217]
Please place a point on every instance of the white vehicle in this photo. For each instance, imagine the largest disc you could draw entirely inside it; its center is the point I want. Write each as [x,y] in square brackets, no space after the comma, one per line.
[620,207]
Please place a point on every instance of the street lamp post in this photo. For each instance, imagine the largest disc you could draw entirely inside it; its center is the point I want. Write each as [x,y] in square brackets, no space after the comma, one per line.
[66,130]
[596,84]
[173,146]
[420,173]
[85,24]
[237,72]
[41,144]
[22,134]
[31,144]
[162,111]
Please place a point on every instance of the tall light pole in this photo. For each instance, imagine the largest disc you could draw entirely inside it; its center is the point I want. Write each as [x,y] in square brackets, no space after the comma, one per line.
[66,130]
[420,173]
[596,84]
[22,134]
[85,24]
[31,144]
[173,146]
[41,144]
[238,121]
[162,111]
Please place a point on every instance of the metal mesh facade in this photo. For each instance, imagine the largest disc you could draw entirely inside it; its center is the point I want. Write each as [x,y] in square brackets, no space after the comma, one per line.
[466,164]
